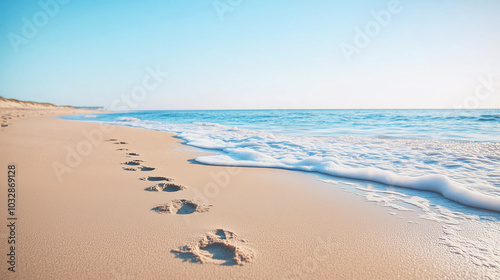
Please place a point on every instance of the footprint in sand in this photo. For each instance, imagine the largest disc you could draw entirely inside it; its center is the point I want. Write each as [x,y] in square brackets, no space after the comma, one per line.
[220,247]
[156,179]
[165,187]
[141,168]
[146,168]
[134,162]
[115,142]
[130,168]
[182,207]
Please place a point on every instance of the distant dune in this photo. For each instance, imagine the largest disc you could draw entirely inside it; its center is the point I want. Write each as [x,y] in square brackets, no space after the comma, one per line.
[18,104]
[12,110]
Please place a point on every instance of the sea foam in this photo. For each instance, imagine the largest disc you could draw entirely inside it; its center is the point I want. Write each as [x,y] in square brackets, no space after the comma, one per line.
[435,183]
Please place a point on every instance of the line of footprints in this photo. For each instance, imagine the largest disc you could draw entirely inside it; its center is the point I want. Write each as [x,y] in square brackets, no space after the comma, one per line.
[220,246]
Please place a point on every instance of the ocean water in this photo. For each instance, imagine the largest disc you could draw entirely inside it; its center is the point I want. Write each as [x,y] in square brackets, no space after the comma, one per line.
[444,164]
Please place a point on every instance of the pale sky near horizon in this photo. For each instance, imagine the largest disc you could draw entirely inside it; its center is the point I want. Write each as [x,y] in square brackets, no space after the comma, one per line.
[252,54]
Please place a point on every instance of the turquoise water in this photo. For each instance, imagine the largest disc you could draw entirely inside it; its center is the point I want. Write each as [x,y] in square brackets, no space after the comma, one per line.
[467,125]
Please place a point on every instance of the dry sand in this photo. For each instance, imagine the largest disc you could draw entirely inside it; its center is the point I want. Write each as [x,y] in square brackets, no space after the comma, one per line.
[87,209]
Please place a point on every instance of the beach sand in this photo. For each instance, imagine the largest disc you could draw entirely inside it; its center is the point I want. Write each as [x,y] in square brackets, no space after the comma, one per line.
[91,204]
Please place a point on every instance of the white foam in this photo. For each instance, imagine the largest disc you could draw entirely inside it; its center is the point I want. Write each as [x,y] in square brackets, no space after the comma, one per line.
[128,119]
[435,183]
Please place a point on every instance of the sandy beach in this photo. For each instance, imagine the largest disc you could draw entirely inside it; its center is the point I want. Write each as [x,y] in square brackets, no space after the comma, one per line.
[107,202]
[233,139]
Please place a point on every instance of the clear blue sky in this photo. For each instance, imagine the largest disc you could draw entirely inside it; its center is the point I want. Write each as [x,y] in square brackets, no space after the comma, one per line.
[260,54]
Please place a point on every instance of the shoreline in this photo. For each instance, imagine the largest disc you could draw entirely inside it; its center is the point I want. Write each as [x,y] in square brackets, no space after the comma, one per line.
[99,221]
